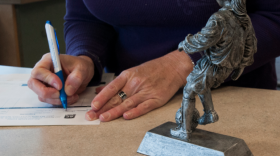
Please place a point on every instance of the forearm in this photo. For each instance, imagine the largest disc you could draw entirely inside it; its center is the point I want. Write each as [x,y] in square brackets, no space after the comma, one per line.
[86,35]
[81,40]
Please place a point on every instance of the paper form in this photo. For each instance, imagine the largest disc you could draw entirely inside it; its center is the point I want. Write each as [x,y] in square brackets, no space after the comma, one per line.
[20,106]
[15,77]
[15,93]
[49,116]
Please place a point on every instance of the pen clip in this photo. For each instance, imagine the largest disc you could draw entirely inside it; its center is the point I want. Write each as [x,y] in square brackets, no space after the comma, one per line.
[56,42]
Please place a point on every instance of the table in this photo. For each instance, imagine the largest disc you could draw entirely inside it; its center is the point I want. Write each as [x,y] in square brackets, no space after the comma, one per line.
[250,114]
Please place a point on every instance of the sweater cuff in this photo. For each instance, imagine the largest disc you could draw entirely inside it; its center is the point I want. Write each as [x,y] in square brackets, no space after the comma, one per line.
[195,57]
[98,68]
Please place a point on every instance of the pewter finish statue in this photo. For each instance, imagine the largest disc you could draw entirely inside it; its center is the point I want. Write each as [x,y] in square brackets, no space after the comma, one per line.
[229,44]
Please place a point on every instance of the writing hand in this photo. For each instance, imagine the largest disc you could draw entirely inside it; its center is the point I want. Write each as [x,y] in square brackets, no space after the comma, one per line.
[79,71]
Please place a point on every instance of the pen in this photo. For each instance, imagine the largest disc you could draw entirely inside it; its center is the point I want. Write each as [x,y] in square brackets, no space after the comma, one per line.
[54,50]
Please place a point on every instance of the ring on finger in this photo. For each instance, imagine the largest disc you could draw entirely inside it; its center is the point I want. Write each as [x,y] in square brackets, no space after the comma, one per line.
[123,95]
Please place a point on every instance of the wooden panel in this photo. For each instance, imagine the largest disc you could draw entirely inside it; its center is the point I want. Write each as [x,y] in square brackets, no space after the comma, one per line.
[18,1]
[9,50]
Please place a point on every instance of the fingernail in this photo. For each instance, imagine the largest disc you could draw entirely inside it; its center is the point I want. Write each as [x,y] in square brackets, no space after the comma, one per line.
[70,89]
[127,115]
[90,115]
[95,105]
[55,85]
[105,116]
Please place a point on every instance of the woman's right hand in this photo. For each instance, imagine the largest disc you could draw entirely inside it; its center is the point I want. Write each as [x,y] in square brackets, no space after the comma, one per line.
[78,70]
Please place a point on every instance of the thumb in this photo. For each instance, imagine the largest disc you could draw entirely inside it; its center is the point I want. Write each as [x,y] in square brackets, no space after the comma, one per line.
[74,81]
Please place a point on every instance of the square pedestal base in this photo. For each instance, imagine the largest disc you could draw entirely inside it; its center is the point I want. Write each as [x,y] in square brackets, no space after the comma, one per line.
[159,142]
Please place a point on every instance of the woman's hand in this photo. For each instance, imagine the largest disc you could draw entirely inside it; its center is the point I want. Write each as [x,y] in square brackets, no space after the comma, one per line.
[147,86]
[79,71]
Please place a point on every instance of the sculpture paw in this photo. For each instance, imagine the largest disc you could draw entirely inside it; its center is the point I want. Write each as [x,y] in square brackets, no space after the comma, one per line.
[209,117]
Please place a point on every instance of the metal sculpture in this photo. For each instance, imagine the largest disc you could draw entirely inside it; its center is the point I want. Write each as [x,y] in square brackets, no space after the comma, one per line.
[229,44]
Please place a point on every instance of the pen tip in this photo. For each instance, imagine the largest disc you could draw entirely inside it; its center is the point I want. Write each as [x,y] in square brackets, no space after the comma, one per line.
[65,109]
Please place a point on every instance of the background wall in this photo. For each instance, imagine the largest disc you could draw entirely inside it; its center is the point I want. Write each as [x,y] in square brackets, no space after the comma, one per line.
[31,19]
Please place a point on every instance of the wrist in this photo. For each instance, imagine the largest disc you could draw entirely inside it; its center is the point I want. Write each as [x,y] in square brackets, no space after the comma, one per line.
[89,63]
[88,59]
[181,63]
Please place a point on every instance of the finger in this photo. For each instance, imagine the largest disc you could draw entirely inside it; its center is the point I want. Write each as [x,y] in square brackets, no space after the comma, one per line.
[74,81]
[47,76]
[126,105]
[108,92]
[42,90]
[141,109]
[113,102]
[70,100]
[91,115]
[43,72]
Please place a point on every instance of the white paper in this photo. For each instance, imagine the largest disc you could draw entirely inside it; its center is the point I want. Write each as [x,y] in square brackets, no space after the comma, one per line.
[15,77]
[14,92]
[20,106]
[47,116]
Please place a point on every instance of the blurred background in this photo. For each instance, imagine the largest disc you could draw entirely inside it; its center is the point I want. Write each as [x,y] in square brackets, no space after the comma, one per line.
[23,38]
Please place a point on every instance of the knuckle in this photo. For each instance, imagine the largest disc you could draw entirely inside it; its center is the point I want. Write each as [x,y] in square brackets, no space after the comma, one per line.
[41,99]
[37,63]
[46,55]
[112,87]
[136,81]
[44,95]
[82,66]
[125,73]
[78,77]
[129,104]
[115,101]
[29,83]
[146,106]
[34,73]
[47,78]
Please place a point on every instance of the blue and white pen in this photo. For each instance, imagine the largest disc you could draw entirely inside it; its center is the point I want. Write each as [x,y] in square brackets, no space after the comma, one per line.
[54,48]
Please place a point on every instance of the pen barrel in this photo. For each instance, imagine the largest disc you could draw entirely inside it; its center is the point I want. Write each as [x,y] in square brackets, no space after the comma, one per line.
[62,96]
[53,47]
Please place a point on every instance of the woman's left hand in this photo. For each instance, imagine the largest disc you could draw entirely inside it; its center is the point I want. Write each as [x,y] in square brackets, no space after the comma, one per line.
[147,86]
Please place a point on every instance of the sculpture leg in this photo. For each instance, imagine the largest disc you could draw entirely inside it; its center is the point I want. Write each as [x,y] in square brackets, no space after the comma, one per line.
[210,115]
[184,129]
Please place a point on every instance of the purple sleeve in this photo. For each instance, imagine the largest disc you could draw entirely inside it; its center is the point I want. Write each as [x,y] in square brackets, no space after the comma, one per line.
[265,17]
[86,35]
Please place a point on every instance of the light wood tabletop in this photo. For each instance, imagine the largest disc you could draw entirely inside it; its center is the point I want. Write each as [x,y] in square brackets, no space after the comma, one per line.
[249,114]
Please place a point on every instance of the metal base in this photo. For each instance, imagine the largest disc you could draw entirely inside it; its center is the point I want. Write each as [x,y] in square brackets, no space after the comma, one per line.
[159,142]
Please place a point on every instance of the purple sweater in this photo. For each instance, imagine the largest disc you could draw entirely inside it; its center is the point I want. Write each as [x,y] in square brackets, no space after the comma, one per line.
[121,34]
